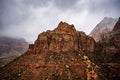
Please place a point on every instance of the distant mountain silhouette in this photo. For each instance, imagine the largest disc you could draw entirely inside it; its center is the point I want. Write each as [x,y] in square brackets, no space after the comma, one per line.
[10,48]
[106,24]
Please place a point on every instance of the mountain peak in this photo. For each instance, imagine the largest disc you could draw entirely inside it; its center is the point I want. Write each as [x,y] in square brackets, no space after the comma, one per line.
[65,27]
[64,24]
[64,38]
[55,54]
[106,24]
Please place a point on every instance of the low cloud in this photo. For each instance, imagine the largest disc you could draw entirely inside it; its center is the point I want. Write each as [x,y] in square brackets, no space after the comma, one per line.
[28,18]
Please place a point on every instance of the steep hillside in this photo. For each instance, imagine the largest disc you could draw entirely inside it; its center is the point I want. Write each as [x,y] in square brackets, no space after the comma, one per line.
[67,54]
[59,54]
[110,49]
[106,24]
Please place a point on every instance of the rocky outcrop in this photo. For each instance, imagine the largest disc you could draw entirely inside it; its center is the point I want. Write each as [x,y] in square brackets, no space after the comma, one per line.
[56,55]
[64,38]
[114,40]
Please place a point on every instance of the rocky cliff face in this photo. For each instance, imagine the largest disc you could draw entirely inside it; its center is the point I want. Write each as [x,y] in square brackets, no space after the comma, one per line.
[112,46]
[67,54]
[64,38]
[115,38]
[59,54]
[106,24]
[111,52]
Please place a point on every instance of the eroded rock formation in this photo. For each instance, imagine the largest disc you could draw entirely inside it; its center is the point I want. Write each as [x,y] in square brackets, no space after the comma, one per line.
[56,55]
[64,38]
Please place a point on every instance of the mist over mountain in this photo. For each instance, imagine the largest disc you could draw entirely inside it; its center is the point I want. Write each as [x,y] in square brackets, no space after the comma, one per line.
[11,48]
[65,53]
[106,24]
[32,47]
[28,18]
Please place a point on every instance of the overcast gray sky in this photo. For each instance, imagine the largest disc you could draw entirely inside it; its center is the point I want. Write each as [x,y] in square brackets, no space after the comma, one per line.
[28,18]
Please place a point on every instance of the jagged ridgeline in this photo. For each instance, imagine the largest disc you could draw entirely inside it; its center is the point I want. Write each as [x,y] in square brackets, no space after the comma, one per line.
[59,54]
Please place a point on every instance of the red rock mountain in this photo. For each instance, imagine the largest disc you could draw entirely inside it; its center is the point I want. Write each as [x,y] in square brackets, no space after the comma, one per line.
[59,54]
[64,38]
[106,24]
[67,54]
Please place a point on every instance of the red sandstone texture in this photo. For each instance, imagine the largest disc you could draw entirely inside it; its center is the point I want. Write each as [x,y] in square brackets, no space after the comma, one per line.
[64,54]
